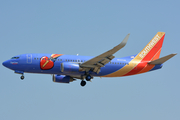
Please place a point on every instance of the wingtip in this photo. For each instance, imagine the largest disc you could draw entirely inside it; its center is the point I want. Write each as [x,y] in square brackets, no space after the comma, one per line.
[126,39]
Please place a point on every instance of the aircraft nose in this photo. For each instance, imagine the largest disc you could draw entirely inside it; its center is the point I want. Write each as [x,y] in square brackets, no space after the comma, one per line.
[5,63]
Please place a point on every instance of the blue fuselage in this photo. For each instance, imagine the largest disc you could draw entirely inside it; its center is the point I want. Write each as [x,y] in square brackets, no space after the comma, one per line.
[31,63]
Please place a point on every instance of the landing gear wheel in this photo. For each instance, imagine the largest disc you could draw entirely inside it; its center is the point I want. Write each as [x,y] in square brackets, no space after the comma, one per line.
[88,77]
[22,77]
[83,83]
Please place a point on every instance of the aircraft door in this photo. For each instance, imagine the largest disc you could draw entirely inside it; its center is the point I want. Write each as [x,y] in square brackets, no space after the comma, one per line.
[29,58]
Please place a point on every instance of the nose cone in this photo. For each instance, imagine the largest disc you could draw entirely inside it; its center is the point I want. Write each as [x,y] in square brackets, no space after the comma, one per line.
[5,63]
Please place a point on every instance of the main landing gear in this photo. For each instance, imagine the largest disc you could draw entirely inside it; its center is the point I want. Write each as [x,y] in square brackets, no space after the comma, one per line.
[83,83]
[88,78]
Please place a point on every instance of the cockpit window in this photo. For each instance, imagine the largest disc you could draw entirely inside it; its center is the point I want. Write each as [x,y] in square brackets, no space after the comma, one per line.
[15,58]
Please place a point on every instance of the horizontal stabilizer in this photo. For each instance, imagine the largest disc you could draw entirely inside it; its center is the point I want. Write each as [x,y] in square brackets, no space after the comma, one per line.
[162,60]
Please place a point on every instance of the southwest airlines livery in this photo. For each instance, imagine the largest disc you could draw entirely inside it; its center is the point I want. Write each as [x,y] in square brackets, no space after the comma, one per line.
[67,68]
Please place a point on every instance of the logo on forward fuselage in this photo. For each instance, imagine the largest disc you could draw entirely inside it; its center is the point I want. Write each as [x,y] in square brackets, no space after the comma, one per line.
[48,63]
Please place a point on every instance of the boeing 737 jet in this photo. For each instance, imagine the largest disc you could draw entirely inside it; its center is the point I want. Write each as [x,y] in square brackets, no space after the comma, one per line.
[68,68]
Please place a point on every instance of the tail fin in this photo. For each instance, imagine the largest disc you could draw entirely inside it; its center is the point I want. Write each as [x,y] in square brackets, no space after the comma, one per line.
[153,49]
[150,52]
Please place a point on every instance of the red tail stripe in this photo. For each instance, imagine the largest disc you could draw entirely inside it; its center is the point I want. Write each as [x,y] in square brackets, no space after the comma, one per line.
[149,66]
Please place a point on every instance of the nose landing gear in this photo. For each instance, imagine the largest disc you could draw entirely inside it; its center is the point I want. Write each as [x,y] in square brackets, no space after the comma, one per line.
[22,77]
[20,72]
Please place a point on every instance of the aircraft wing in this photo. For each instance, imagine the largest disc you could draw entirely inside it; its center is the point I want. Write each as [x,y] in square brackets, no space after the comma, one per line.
[99,61]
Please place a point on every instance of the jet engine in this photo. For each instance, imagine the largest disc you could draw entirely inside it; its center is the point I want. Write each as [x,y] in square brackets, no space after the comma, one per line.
[62,79]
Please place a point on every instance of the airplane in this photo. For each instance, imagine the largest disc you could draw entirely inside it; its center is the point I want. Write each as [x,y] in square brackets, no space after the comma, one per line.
[68,68]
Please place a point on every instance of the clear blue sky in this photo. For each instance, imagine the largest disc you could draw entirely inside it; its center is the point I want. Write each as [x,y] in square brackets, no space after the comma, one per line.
[89,28]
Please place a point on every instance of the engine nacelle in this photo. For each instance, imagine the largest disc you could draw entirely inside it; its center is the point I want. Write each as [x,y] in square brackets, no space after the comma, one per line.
[67,67]
[62,79]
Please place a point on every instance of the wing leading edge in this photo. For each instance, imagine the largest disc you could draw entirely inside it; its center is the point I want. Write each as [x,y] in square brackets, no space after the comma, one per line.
[99,61]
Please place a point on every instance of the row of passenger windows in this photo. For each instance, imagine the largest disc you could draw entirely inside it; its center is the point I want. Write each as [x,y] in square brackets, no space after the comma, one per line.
[119,63]
[61,60]
[84,61]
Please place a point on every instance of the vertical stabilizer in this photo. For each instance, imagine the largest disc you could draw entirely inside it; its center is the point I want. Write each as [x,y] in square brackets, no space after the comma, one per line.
[150,52]
[153,49]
